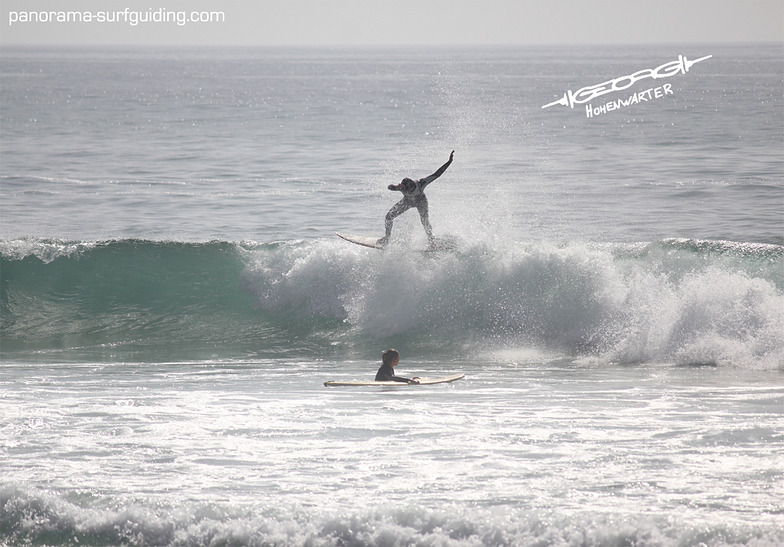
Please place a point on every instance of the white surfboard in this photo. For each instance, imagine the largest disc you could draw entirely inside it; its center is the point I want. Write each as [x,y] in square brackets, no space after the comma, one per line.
[365,241]
[439,244]
[422,382]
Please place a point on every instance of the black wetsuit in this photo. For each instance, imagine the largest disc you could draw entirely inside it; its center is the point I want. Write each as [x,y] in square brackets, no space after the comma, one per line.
[386,373]
[413,196]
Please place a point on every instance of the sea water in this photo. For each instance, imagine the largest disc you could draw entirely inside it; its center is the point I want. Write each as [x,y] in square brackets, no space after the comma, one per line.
[173,298]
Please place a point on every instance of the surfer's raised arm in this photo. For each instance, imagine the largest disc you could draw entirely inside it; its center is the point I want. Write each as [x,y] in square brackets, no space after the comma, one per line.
[434,176]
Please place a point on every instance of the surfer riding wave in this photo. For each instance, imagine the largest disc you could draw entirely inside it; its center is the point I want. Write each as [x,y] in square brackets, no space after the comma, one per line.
[413,196]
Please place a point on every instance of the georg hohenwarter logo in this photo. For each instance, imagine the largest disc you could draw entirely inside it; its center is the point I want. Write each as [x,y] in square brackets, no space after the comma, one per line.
[591,92]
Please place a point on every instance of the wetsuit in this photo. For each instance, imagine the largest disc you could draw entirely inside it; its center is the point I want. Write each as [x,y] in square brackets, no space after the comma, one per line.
[413,196]
[386,373]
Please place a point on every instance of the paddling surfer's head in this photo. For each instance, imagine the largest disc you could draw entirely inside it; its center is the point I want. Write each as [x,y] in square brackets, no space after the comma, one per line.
[390,357]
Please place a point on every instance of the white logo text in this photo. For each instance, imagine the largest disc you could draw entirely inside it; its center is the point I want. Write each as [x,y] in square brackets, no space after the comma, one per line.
[589,93]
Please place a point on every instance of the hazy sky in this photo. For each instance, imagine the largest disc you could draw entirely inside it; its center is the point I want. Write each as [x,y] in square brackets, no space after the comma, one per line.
[416,22]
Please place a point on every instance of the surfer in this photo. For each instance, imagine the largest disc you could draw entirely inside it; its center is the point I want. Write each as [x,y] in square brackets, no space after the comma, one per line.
[413,196]
[389,360]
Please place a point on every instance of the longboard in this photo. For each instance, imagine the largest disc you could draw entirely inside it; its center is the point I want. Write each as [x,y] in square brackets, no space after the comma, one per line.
[422,382]
[365,241]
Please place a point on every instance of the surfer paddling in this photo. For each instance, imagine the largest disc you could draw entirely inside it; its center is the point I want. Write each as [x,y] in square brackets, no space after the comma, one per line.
[389,360]
[413,196]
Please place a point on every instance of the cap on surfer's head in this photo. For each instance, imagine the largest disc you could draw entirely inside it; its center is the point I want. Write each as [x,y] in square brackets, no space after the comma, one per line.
[390,356]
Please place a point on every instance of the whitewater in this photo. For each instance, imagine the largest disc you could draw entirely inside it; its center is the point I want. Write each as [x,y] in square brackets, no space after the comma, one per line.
[173,297]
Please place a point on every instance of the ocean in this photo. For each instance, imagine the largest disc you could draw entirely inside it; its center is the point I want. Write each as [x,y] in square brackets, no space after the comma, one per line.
[173,296]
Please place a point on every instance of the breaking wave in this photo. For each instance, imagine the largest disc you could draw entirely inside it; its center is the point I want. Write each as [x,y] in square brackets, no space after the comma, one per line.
[673,301]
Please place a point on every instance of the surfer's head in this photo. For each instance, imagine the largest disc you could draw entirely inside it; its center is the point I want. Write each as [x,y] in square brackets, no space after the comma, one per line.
[390,357]
[408,185]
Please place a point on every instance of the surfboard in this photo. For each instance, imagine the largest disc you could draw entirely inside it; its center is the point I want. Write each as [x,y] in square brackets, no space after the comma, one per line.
[422,382]
[365,241]
[439,244]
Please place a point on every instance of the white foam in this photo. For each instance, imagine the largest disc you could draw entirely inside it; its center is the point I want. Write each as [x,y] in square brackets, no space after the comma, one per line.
[622,306]
[40,518]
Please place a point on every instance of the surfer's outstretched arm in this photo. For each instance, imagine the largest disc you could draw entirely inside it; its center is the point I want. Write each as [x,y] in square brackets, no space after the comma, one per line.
[434,176]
